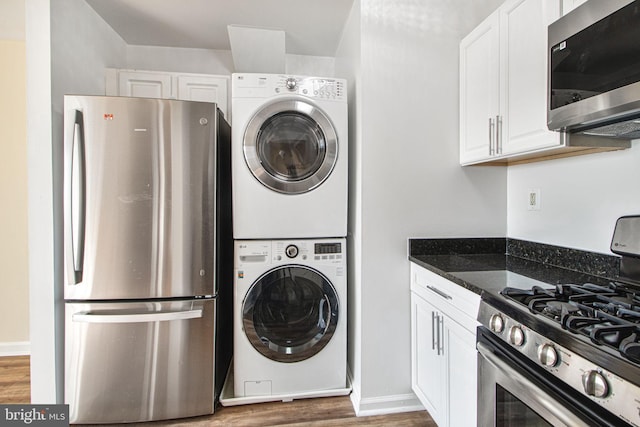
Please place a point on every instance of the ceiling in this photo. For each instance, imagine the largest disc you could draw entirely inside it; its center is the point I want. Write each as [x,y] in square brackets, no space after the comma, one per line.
[312,27]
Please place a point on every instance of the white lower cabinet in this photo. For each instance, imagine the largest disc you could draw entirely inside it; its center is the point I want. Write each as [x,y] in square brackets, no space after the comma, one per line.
[443,350]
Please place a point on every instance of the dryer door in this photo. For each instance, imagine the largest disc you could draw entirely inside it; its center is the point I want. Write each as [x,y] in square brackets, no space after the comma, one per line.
[290,313]
[290,146]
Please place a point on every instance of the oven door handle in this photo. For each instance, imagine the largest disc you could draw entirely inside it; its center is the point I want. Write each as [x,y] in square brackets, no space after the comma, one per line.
[533,390]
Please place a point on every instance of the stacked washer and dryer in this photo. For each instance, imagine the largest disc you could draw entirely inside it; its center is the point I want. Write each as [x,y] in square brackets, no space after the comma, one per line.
[289,170]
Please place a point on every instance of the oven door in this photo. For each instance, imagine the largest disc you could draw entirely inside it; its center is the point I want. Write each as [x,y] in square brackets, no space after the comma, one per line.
[514,391]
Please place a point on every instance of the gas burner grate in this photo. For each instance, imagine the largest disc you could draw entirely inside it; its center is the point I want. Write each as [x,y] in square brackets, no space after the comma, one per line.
[607,315]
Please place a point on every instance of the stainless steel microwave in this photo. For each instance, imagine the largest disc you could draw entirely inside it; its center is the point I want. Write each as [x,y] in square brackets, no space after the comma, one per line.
[594,70]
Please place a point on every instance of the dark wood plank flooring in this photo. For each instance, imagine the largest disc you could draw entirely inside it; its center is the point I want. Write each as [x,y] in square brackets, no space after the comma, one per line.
[327,411]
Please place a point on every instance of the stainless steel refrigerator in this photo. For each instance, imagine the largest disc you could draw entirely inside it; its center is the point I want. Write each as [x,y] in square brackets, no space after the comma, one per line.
[147,258]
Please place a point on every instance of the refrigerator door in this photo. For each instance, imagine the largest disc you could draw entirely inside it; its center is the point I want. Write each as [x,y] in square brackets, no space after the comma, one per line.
[140,361]
[139,198]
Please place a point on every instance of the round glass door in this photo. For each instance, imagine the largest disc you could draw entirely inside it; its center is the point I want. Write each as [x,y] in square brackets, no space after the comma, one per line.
[290,313]
[290,146]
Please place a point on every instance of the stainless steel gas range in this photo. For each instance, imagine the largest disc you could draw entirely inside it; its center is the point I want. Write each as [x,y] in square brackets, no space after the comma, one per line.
[564,355]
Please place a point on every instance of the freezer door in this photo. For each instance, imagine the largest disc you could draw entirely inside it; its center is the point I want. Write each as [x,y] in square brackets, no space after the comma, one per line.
[139,198]
[129,362]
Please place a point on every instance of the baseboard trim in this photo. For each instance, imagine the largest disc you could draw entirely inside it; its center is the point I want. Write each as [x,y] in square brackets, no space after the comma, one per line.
[382,405]
[21,348]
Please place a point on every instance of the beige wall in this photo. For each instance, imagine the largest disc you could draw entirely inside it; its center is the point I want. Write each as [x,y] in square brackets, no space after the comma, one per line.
[14,284]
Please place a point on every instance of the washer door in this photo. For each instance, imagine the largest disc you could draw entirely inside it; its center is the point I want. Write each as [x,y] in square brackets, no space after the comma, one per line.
[290,313]
[290,146]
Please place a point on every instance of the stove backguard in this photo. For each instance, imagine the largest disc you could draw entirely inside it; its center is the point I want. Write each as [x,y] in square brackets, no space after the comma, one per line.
[626,242]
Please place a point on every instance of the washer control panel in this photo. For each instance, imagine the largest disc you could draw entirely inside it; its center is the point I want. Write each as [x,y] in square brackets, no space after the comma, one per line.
[324,251]
[319,251]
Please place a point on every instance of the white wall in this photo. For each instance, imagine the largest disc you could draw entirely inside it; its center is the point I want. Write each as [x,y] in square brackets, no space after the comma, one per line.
[14,282]
[68,47]
[581,198]
[406,177]
[348,67]
[207,61]
[157,58]
[39,154]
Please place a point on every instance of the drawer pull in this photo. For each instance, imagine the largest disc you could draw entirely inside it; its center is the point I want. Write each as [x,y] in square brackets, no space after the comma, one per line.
[439,292]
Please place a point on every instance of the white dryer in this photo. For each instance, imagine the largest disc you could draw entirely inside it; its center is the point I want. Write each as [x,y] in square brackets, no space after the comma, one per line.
[290,328]
[289,156]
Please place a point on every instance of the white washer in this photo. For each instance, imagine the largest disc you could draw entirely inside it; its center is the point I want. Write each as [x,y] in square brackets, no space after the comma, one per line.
[289,156]
[290,328]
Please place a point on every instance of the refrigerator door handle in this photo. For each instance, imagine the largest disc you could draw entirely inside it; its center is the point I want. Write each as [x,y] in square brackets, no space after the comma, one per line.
[89,317]
[75,200]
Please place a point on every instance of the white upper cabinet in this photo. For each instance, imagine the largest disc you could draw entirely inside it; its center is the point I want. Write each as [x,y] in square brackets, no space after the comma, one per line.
[203,88]
[144,85]
[523,71]
[479,90]
[158,84]
[503,83]
[569,5]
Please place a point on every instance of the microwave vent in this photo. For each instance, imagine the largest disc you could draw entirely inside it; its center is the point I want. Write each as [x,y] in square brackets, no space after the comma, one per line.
[623,130]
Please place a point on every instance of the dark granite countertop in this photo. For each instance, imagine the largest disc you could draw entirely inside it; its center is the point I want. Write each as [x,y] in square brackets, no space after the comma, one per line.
[495,263]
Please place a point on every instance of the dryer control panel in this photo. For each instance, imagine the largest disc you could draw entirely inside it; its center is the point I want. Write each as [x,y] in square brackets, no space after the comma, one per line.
[268,85]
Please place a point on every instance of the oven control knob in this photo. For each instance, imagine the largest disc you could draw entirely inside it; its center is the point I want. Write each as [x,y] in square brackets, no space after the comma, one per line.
[595,384]
[547,355]
[516,336]
[496,323]
[291,251]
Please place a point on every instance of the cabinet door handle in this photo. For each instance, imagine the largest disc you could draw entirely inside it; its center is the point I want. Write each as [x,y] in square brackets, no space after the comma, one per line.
[441,336]
[491,126]
[438,320]
[498,134]
[439,292]
[433,330]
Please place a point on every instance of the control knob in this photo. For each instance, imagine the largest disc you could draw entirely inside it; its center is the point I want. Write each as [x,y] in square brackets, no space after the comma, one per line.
[516,336]
[496,323]
[291,83]
[291,251]
[595,384]
[547,355]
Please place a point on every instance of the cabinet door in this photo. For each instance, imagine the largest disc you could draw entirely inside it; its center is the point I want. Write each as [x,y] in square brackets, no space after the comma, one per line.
[523,70]
[428,374]
[569,5]
[144,85]
[479,86]
[205,89]
[460,350]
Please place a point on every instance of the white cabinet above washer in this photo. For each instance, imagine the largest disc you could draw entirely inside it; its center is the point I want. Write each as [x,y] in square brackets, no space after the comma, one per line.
[160,84]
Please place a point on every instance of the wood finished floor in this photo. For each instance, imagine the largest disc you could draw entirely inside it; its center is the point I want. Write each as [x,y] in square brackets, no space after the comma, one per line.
[327,411]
